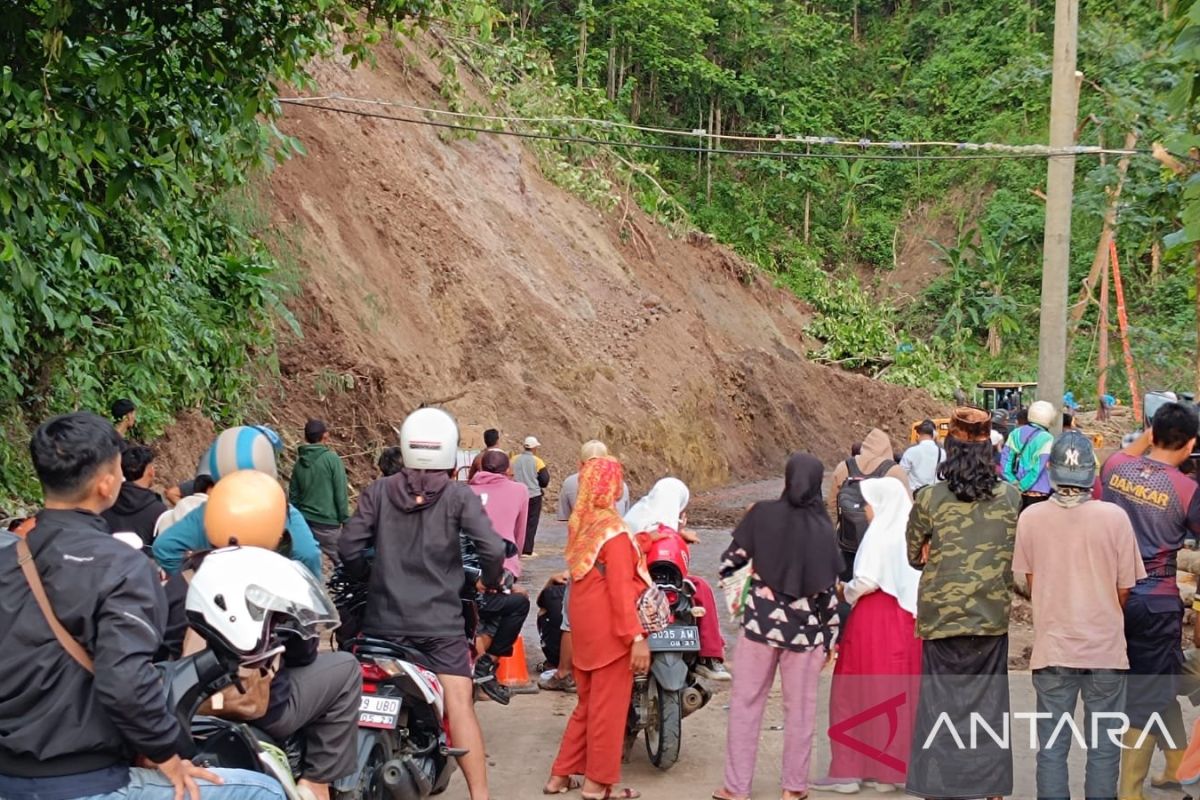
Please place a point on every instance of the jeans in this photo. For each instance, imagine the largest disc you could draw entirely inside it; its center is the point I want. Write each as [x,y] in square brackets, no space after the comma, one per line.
[150,784]
[1058,689]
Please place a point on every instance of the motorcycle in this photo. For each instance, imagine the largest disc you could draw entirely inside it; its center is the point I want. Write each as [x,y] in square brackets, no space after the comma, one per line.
[404,748]
[222,743]
[239,601]
[671,690]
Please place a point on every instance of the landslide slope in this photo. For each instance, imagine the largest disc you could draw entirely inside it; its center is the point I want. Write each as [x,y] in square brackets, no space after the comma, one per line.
[450,271]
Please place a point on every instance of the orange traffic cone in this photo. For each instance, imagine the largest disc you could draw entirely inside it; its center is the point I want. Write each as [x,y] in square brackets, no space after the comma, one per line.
[513,671]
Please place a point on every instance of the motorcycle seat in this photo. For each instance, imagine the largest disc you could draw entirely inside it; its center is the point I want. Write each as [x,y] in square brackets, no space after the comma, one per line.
[218,737]
[369,646]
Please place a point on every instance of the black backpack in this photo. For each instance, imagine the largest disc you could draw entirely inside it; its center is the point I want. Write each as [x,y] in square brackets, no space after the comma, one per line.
[852,508]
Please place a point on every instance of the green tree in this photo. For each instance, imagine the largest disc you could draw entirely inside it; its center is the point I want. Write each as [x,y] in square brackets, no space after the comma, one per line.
[123,127]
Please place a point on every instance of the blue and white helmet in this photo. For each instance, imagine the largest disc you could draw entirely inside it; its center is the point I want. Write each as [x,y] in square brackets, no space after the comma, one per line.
[244,447]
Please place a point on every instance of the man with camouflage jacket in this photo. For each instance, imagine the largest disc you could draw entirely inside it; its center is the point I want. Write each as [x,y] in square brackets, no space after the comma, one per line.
[960,535]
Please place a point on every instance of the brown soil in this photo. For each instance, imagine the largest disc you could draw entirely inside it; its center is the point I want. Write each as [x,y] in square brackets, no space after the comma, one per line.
[179,449]
[917,261]
[453,273]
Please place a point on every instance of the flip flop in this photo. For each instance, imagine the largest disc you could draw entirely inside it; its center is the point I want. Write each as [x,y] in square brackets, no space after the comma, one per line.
[720,794]
[624,794]
[573,783]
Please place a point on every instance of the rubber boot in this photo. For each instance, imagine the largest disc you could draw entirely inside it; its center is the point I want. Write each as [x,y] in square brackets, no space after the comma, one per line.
[1169,779]
[1135,764]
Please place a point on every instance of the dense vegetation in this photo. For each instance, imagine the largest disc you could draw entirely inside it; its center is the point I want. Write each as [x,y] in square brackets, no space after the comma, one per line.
[128,269]
[133,263]
[829,226]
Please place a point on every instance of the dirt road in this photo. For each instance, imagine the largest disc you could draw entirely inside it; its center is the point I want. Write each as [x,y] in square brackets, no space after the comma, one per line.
[523,738]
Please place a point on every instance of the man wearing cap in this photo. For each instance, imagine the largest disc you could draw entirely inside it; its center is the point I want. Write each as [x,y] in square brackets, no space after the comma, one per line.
[1078,618]
[960,535]
[1026,453]
[318,488]
[529,469]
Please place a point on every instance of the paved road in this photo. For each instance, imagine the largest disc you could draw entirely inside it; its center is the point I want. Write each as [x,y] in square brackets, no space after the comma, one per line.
[523,738]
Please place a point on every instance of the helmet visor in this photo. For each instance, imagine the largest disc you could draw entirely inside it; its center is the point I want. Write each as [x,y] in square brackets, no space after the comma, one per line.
[305,610]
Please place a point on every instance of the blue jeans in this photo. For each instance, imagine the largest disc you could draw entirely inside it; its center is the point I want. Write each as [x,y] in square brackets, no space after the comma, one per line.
[150,784]
[1058,690]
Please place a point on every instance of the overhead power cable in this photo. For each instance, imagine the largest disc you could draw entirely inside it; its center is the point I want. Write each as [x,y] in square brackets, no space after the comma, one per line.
[976,149]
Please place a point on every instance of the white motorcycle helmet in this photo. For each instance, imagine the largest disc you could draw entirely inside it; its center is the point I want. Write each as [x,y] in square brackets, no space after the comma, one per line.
[429,440]
[240,595]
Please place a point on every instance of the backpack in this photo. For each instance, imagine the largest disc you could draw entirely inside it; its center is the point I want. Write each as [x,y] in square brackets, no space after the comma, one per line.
[852,508]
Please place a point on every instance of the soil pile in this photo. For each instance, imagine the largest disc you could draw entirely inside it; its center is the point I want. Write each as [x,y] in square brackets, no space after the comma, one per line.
[449,271]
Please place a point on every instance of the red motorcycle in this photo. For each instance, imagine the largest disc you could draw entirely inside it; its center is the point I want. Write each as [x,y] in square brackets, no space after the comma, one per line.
[670,691]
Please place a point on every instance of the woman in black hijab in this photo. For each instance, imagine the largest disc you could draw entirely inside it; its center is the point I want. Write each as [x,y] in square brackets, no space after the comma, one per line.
[789,623]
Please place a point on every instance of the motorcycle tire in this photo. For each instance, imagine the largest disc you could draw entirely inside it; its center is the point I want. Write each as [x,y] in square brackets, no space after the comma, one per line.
[370,778]
[665,731]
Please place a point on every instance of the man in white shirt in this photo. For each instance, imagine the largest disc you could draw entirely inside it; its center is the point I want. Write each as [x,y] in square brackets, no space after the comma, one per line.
[921,461]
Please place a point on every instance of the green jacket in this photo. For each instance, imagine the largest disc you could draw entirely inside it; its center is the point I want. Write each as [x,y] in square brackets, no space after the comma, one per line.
[318,486]
[966,588]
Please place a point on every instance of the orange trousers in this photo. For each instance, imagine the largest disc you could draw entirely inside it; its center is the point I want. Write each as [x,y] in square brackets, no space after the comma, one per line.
[595,735]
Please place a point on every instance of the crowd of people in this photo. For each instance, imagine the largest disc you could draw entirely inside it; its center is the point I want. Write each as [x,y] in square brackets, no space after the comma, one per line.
[901,575]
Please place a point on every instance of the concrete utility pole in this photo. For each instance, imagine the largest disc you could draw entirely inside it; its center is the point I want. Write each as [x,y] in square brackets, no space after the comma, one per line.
[1060,190]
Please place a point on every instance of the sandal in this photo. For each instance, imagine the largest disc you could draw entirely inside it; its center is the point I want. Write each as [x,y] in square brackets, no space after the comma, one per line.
[623,794]
[721,794]
[573,783]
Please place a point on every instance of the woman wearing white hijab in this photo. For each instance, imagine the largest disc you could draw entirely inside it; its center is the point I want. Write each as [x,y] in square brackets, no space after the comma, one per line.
[879,654]
[664,505]
[662,512]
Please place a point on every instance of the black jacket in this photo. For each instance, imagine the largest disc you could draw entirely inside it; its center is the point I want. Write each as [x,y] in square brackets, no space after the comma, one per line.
[417,574]
[136,510]
[55,717]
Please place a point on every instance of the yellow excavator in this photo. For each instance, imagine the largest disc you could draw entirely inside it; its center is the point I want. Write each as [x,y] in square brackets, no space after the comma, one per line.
[1003,399]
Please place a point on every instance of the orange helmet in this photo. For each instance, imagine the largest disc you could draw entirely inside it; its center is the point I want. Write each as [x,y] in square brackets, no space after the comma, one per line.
[248,508]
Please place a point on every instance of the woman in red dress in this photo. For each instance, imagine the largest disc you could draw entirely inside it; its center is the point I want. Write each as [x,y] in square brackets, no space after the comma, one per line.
[607,576]
[877,678]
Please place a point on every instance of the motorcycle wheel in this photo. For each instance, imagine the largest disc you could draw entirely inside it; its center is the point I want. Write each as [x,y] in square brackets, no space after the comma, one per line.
[370,781]
[665,728]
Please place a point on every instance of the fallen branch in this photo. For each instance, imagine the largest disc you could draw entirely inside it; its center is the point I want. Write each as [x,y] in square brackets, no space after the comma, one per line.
[441,401]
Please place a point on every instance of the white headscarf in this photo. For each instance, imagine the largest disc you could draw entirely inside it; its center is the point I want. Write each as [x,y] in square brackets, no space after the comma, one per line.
[883,555]
[662,506]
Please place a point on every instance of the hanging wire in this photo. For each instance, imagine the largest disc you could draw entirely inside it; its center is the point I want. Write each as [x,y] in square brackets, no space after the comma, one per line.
[968,150]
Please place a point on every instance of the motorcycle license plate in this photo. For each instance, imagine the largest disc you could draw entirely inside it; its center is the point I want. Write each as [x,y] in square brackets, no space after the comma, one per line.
[378,712]
[685,638]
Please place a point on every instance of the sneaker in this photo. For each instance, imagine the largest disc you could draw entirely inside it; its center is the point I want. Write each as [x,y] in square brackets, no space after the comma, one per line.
[556,683]
[882,788]
[836,785]
[712,669]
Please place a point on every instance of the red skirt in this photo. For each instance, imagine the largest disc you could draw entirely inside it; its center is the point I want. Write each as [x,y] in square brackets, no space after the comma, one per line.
[873,699]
